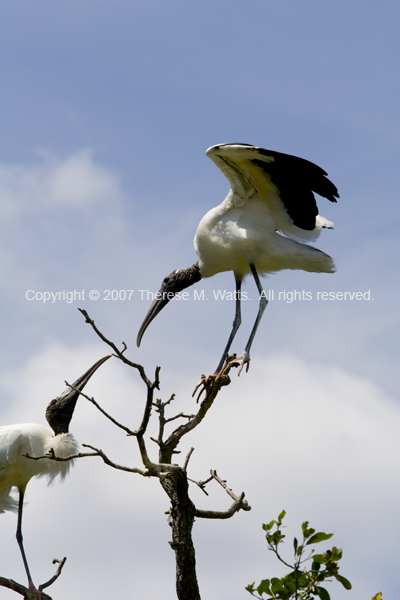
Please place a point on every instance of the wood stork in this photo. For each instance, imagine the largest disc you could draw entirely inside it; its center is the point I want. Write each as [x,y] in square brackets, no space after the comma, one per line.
[260,227]
[28,438]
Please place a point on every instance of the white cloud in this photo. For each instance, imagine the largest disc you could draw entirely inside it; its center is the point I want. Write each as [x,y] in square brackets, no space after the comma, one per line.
[75,182]
[311,438]
[56,215]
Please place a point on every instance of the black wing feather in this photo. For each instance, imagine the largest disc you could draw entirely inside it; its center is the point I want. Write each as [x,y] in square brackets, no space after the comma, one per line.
[297,179]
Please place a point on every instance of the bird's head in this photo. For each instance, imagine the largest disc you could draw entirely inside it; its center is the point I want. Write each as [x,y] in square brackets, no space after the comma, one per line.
[172,284]
[60,410]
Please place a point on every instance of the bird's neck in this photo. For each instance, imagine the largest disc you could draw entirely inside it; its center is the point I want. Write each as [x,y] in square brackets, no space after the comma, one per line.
[187,277]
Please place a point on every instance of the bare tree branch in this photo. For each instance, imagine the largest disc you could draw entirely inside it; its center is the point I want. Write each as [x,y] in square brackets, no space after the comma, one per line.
[56,574]
[228,490]
[51,456]
[212,391]
[97,405]
[29,594]
[119,353]
[173,478]
[149,402]
[189,454]
[202,484]
[21,589]
[179,416]
[239,504]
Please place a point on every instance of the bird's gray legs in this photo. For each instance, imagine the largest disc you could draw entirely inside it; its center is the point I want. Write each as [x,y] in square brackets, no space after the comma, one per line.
[236,324]
[262,307]
[245,358]
[21,545]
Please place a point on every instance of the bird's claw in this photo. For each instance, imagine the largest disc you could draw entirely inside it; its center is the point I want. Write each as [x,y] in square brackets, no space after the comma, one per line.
[207,381]
[240,361]
[204,383]
[38,592]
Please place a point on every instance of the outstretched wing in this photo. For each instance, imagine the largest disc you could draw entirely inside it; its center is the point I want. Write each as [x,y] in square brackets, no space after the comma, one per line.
[285,183]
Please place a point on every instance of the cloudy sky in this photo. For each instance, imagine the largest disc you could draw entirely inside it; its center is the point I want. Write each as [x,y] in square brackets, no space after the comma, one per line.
[107,110]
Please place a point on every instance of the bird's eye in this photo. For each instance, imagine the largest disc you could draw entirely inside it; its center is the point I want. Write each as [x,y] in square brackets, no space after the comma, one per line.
[53,402]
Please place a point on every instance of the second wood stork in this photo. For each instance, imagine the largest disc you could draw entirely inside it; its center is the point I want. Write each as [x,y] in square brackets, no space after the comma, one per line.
[29,438]
[260,227]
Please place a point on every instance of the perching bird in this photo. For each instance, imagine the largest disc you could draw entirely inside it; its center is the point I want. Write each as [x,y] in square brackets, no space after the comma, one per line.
[260,227]
[28,438]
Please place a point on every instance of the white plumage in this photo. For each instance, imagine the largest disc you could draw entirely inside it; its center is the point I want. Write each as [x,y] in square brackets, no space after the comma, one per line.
[246,228]
[262,226]
[35,440]
[16,470]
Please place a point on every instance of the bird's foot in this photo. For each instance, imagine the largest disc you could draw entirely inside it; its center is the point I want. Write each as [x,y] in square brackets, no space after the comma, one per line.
[206,382]
[32,588]
[240,361]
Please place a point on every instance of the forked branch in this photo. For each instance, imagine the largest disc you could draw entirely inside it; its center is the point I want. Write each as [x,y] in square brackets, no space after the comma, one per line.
[239,502]
[29,594]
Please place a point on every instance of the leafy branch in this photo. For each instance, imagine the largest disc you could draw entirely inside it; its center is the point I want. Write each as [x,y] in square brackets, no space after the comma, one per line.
[301,583]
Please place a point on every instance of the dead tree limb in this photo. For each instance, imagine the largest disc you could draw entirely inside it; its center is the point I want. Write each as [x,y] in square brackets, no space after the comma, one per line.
[29,594]
[173,477]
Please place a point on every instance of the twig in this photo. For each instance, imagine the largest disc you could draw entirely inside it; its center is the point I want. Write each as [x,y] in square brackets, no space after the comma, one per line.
[239,502]
[21,589]
[93,401]
[56,574]
[181,415]
[189,454]
[202,484]
[119,353]
[97,452]
[212,391]
[110,463]
[223,484]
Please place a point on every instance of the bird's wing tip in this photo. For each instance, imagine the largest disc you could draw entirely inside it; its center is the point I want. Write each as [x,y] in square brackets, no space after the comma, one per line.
[227,147]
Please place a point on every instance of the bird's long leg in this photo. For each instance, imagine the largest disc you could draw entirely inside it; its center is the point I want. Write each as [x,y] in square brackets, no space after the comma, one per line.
[20,542]
[235,326]
[245,358]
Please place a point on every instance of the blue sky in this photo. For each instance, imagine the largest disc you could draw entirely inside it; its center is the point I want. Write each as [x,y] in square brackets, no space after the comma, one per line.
[107,110]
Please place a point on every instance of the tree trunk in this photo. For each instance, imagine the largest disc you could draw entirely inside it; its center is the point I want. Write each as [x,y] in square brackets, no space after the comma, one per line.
[181,521]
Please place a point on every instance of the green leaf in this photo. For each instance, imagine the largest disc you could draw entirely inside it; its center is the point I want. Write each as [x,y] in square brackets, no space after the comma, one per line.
[275,538]
[303,581]
[319,537]
[281,516]
[295,543]
[335,554]
[322,593]
[264,588]
[268,526]
[319,558]
[276,585]
[315,565]
[304,527]
[345,582]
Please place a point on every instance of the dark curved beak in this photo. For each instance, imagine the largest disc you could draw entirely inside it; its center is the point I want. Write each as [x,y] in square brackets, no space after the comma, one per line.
[60,410]
[162,298]
[83,379]
[172,284]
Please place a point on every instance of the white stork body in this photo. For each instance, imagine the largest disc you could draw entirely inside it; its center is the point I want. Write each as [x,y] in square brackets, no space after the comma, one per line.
[229,238]
[262,226]
[16,470]
[244,229]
